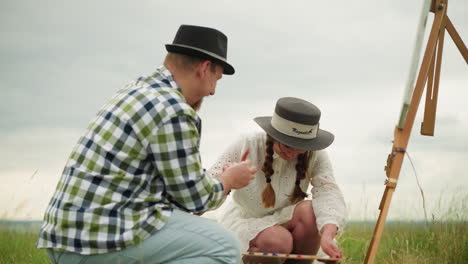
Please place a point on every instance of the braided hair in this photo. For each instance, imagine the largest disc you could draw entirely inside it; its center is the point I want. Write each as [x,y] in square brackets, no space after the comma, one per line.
[268,193]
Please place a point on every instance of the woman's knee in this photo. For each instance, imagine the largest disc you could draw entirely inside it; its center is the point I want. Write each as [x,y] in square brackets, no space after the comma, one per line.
[274,239]
[303,223]
[304,213]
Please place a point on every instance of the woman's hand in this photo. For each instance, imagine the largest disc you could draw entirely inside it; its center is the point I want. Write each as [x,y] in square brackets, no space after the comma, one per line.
[327,243]
[330,248]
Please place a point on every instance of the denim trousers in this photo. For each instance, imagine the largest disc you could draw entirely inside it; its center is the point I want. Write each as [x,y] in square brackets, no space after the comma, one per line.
[185,239]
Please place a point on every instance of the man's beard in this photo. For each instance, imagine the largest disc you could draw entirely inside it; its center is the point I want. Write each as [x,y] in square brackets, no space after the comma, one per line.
[197,105]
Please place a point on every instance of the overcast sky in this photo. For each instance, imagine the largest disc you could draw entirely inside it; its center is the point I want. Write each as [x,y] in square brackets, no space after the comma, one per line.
[62,60]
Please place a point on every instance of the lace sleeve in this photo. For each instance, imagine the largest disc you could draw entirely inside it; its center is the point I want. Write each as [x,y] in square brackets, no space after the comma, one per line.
[327,199]
[231,154]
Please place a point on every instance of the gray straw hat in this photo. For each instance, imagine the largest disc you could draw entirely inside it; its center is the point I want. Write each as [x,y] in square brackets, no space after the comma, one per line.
[295,123]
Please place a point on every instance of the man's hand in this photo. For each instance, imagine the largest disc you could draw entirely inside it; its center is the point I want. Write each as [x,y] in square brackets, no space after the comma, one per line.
[237,175]
[243,158]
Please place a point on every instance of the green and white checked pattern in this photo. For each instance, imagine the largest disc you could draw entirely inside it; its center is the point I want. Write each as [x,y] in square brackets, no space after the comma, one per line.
[138,159]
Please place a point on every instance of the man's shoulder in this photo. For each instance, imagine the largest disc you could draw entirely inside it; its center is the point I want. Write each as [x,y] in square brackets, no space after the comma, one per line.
[155,93]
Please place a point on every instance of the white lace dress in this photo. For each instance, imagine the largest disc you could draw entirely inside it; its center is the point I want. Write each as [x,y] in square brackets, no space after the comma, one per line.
[243,213]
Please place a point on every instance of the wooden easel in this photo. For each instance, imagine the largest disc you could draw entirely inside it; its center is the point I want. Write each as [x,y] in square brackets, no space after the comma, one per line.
[429,73]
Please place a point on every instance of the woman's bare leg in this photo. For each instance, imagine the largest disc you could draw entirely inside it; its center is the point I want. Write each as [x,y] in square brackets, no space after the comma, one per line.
[274,239]
[303,227]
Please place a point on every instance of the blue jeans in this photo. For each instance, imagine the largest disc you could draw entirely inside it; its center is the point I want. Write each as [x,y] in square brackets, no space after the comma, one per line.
[185,239]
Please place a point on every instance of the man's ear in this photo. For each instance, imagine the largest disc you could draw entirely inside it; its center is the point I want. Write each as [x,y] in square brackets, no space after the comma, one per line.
[203,68]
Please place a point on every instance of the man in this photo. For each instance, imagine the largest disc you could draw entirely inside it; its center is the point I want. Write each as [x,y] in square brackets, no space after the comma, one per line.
[131,183]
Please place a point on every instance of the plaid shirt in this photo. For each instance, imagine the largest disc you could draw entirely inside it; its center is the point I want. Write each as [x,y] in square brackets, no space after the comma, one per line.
[137,161]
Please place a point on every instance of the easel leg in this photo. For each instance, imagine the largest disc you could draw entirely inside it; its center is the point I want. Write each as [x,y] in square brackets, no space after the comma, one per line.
[457,39]
[432,92]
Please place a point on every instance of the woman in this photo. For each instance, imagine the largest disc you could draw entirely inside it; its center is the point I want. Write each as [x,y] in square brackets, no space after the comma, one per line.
[270,214]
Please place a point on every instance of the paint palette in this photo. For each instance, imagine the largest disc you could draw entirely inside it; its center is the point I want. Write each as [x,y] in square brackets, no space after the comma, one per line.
[260,257]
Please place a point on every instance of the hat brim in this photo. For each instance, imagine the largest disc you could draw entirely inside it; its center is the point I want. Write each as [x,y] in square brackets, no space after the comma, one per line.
[322,141]
[200,53]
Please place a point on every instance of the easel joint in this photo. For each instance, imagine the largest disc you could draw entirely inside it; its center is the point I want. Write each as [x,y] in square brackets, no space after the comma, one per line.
[401,150]
[391,182]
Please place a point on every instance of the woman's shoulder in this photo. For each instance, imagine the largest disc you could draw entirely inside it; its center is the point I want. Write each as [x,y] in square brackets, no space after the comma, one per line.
[253,139]
[318,157]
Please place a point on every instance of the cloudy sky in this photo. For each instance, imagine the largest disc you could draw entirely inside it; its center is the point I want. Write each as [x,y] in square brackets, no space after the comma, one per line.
[62,60]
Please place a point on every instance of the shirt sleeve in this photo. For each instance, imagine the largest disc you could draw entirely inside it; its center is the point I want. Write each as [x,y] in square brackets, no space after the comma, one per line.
[175,151]
[327,199]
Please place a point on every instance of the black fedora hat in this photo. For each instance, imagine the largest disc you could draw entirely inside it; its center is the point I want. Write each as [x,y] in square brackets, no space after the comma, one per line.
[202,42]
[295,123]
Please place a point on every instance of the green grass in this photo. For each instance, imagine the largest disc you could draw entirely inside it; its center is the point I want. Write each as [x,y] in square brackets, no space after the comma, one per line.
[402,242]
[438,242]
[20,247]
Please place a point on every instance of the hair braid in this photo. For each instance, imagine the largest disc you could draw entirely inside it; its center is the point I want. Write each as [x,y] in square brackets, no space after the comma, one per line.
[268,194]
[297,194]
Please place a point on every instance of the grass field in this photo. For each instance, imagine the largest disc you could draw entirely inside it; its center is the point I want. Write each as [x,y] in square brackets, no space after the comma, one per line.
[402,242]
[444,242]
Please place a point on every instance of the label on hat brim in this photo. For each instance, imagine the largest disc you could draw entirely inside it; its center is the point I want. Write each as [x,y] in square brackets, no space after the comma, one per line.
[294,129]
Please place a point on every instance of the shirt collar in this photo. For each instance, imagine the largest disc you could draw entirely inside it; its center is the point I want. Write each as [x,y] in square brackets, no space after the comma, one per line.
[278,158]
[276,155]
[165,73]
